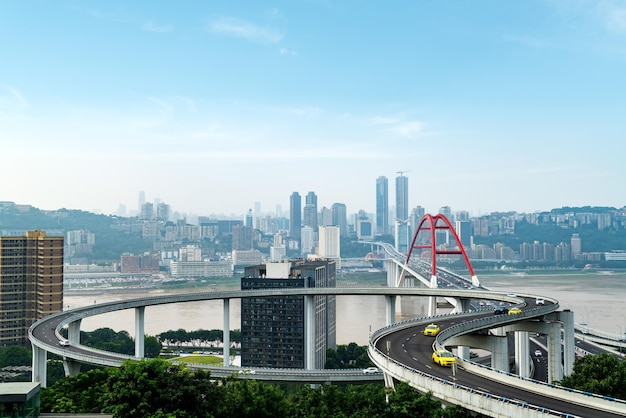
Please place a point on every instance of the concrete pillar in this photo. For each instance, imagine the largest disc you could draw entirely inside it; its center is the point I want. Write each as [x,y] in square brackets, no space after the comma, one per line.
[39,366]
[73,332]
[569,342]
[390,304]
[392,273]
[522,355]
[499,353]
[389,381]
[140,314]
[432,300]
[309,332]
[71,367]
[555,368]
[226,333]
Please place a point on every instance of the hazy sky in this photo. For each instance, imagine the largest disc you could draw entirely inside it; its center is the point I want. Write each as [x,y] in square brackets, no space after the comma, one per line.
[487,105]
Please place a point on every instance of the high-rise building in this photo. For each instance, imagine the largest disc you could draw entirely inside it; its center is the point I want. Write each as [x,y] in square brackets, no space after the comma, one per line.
[402,198]
[340,218]
[329,244]
[31,283]
[576,246]
[463,230]
[447,212]
[273,330]
[295,216]
[243,238]
[382,205]
[307,240]
[402,236]
[310,211]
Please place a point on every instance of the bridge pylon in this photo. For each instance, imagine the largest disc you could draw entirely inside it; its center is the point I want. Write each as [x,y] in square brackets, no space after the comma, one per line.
[430,224]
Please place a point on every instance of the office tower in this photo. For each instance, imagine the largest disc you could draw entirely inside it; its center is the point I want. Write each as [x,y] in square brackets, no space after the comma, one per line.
[295,216]
[243,238]
[402,198]
[402,236]
[329,244]
[325,217]
[340,218]
[307,240]
[273,332]
[576,245]
[249,221]
[417,214]
[310,211]
[31,283]
[147,211]
[447,212]
[382,205]
[463,230]
[163,212]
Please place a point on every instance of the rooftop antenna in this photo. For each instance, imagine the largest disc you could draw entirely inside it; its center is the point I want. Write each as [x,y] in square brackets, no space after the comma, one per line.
[402,172]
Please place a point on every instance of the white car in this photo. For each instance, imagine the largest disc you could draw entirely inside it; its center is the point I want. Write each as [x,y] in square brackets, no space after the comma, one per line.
[540,301]
[538,353]
[371,370]
[64,342]
[247,371]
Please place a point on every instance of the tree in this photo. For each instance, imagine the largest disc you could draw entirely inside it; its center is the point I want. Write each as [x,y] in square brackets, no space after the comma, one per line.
[603,374]
[158,388]
[15,356]
[249,398]
[82,393]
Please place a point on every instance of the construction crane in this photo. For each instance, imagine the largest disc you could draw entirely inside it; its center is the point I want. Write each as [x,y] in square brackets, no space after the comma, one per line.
[402,172]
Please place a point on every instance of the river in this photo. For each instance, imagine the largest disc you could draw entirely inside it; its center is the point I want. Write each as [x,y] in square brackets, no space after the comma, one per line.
[597,298]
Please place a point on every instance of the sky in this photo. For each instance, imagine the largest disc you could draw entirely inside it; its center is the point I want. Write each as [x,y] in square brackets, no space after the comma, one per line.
[485,105]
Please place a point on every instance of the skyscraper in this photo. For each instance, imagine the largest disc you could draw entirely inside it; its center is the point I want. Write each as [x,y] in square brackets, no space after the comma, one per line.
[31,279]
[402,198]
[273,331]
[310,211]
[295,216]
[382,205]
[340,218]
[329,244]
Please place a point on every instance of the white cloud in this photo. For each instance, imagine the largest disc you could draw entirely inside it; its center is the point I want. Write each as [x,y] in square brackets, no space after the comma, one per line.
[285,51]
[241,29]
[150,26]
[13,98]
[407,129]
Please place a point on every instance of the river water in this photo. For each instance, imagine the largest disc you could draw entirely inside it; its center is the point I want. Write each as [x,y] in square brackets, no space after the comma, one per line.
[597,298]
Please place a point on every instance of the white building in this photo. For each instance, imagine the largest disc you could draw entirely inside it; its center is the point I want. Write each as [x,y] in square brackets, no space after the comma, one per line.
[329,243]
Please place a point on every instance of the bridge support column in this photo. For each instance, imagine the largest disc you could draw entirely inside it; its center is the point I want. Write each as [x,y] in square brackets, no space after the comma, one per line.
[569,342]
[555,369]
[309,332]
[388,379]
[496,345]
[390,304]
[140,313]
[39,366]
[393,273]
[432,300]
[226,333]
[73,332]
[522,354]
[71,367]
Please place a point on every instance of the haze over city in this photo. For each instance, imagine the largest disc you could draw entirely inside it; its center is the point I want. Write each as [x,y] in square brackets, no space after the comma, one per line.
[211,106]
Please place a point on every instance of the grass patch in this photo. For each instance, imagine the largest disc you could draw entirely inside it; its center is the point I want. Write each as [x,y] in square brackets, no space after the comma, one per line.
[200,360]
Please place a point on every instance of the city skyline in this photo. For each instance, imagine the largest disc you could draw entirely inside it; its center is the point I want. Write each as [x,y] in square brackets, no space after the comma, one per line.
[486,106]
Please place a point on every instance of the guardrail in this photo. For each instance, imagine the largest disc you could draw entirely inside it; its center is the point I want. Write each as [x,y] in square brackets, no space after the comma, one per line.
[600,402]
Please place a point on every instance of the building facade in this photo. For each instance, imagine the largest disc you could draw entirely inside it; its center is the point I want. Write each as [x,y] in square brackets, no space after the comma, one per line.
[382,205]
[31,283]
[273,329]
[295,216]
[402,198]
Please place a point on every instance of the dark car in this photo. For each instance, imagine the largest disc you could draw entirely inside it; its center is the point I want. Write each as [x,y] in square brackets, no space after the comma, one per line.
[501,311]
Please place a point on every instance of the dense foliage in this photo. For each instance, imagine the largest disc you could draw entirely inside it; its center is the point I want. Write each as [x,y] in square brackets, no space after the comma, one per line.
[119,342]
[603,374]
[351,356]
[157,388]
[197,337]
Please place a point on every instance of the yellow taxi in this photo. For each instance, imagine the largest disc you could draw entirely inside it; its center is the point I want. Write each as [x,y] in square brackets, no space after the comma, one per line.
[443,358]
[515,311]
[432,329]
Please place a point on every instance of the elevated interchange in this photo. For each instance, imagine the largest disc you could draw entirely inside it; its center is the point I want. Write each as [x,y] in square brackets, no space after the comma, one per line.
[400,350]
